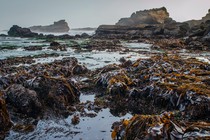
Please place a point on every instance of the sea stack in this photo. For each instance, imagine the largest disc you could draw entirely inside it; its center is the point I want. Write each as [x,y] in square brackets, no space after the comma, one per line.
[60,26]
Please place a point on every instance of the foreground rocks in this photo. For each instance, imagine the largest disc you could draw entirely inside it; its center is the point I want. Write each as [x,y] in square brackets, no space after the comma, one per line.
[31,93]
[147,87]
[162,83]
[24,100]
[164,126]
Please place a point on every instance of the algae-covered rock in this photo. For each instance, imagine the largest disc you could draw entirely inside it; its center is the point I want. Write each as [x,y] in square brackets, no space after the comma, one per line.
[116,83]
[56,93]
[5,122]
[164,126]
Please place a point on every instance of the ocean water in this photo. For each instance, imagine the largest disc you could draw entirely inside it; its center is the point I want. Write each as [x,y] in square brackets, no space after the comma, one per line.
[91,59]
[71,32]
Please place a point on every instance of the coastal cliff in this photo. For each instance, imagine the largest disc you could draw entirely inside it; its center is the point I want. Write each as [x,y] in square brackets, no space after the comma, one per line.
[151,16]
[57,27]
[154,23]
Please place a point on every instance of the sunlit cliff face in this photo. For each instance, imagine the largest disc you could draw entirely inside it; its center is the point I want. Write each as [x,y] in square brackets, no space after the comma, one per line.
[153,16]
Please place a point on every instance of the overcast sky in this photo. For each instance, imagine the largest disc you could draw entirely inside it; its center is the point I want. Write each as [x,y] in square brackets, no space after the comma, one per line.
[91,13]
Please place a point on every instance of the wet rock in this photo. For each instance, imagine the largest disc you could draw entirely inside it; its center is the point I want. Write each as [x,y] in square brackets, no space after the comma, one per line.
[23,128]
[56,93]
[24,100]
[127,63]
[75,120]
[79,69]
[55,44]
[159,83]
[170,44]
[115,82]
[4,82]
[60,48]
[33,48]
[5,122]
[163,126]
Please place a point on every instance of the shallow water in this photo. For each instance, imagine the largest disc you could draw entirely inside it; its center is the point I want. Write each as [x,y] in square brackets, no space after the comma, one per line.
[96,128]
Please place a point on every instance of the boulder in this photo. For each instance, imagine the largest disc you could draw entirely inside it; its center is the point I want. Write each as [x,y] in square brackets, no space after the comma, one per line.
[58,27]
[16,31]
[24,100]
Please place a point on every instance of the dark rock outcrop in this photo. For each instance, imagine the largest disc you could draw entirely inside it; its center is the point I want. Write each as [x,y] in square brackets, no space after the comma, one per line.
[144,24]
[54,44]
[57,27]
[124,32]
[143,31]
[155,23]
[152,16]
[17,31]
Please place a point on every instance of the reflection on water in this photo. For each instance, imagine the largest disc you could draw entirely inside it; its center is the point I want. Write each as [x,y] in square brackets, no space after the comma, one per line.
[95,128]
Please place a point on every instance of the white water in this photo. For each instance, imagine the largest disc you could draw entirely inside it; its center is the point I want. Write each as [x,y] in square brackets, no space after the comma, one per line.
[91,59]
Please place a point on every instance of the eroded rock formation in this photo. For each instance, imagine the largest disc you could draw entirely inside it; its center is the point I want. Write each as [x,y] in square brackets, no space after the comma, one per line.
[152,16]
[58,27]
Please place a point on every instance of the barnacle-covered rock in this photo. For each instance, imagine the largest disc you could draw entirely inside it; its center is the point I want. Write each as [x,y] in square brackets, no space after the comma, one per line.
[5,123]
[24,100]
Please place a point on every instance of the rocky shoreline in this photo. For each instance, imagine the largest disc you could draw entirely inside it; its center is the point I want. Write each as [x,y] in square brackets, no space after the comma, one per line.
[167,93]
